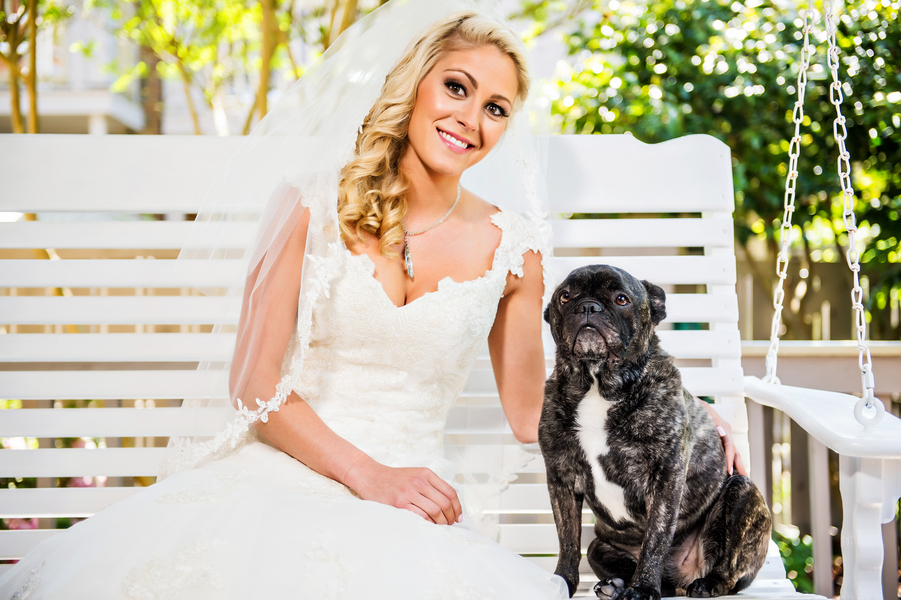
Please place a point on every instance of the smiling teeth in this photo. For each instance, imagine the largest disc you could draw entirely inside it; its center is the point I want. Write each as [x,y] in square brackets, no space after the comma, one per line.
[453,140]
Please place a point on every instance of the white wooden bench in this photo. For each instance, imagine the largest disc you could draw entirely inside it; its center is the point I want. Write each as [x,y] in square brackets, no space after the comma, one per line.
[676,204]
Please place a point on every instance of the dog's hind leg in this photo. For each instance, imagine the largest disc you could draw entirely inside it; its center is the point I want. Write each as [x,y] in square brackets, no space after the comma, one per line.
[734,539]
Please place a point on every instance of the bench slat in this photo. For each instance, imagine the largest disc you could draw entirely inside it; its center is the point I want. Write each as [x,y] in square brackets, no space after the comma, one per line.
[166,347]
[156,235]
[525,539]
[538,538]
[110,422]
[665,270]
[166,421]
[117,310]
[60,502]
[695,344]
[165,385]
[112,385]
[118,273]
[190,162]
[16,544]
[700,381]
[81,462]
[623,180]
[121,182]
[117,347]
[133,235]
[642,233]
[661,270]
[680,308]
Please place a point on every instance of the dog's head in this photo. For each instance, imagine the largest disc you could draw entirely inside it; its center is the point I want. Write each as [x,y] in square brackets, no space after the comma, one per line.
[602,314]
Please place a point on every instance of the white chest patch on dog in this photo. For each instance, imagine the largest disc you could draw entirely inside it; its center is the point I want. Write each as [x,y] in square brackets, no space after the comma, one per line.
[591,418]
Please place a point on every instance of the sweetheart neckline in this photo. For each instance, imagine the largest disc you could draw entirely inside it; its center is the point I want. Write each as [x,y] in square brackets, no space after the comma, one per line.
[446,280]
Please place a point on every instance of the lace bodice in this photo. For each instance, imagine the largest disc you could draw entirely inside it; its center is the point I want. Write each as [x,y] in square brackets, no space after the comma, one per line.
[384,377]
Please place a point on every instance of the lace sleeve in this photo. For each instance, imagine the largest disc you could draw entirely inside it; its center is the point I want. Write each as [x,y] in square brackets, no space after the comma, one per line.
[523,234]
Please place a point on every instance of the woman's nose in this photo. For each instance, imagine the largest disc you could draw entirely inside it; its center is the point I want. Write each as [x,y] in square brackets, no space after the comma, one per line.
[468,117]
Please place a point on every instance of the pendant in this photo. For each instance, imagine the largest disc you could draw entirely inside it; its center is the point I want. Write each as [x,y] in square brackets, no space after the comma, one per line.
[408,259]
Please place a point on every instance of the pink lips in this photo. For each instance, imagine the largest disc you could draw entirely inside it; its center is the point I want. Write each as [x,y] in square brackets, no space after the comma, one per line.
[453,146]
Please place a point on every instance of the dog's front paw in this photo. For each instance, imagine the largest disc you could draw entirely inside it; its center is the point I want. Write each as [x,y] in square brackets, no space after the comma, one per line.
[609,589]
[706,587]
[639,592]
[612,589]
[571,579]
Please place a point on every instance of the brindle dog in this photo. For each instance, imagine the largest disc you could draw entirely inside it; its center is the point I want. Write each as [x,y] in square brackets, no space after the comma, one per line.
[619,432]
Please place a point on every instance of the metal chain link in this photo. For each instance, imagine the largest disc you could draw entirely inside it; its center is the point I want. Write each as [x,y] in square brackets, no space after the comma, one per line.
[840,132]
[791,182]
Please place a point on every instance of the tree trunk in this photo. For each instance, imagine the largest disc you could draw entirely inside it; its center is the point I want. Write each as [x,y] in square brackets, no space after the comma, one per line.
[151,93]
[269,30]
[31,81]
[186,79]
[16,109]
[348,16]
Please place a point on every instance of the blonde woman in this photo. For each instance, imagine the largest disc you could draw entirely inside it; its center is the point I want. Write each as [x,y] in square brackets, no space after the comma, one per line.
[336,484]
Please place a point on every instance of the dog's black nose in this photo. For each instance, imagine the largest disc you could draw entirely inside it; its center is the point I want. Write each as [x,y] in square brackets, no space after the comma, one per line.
[589,306]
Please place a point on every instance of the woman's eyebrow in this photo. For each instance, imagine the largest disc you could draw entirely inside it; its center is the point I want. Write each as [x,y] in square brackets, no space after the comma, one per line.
[475,84]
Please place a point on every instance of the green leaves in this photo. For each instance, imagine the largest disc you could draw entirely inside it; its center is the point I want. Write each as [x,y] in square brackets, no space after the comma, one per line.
[667,68]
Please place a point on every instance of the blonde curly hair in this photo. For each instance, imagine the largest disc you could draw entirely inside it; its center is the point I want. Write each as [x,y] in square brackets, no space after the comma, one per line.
[372,192]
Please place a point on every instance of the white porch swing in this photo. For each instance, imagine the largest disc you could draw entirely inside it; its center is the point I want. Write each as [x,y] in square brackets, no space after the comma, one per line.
[869,445]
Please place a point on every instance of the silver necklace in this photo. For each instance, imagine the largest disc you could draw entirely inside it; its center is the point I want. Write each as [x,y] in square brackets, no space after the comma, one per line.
[408,258]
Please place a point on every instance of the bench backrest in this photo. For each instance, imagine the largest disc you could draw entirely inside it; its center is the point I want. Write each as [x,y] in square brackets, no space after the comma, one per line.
[94,323]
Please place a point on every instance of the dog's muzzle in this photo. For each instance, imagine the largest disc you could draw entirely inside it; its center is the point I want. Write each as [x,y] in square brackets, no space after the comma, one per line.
[588,343]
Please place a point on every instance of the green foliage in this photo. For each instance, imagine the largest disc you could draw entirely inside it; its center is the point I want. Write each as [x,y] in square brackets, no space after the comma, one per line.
[797,556]
[195,39]
[667,68]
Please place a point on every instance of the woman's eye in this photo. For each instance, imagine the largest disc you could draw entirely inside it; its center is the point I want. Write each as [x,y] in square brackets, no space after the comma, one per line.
[564,297]
[622,300]
[497,111]
[455,87]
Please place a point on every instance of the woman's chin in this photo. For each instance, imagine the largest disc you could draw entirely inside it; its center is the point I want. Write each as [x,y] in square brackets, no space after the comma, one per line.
[454,166]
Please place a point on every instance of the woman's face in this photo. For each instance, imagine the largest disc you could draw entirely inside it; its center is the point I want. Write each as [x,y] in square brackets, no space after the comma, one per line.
[461,109]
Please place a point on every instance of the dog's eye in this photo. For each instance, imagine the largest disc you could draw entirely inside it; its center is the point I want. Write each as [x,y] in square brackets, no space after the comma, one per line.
[622,300]
[564,297]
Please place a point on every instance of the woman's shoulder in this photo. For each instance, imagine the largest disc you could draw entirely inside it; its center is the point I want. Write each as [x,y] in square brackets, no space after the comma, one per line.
[522,232]
[518,229]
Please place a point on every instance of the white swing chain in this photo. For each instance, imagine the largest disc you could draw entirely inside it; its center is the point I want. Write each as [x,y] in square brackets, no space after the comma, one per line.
[791,181]
[840,132]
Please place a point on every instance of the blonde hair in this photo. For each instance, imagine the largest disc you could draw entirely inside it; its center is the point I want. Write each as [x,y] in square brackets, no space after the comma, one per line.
[372,193]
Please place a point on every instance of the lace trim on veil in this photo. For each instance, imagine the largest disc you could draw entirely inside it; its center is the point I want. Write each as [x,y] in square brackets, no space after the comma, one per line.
[186,454]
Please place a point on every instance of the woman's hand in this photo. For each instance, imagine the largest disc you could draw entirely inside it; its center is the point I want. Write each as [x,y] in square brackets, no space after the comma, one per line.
[416,489]
[733,458]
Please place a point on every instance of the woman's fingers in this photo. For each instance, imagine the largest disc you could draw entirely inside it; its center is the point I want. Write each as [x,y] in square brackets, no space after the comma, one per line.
[416,510]
[418,490]
[740,466]
[453,510]
[728,446]
[431,505]
[734,462]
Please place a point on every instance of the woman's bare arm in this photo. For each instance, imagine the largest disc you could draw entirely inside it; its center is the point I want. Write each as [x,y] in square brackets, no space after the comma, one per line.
[268,317]
[517,353]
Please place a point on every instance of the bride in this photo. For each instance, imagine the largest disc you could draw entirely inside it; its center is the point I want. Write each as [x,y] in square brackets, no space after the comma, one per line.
[375,279]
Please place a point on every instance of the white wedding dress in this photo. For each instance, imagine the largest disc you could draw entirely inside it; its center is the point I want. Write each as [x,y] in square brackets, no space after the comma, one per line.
[260,524]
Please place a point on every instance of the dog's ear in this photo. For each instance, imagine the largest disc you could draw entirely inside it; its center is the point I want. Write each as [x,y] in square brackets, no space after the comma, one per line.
[657,300]
[547,313]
